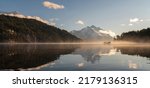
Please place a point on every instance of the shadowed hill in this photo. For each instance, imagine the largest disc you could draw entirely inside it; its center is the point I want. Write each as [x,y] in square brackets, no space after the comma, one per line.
[13,29]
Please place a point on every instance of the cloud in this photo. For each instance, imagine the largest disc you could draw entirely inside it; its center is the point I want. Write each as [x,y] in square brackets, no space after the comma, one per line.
[130,24]
[53,21]
[80,22]
[141,20]
[134,20]
[108,32]
[52,5]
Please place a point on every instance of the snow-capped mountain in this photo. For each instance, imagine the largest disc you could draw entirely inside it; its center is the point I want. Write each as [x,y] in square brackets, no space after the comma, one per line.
[19,15]
[93,33]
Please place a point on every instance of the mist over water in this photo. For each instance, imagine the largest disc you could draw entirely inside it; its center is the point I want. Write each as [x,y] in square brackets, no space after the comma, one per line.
[75,57]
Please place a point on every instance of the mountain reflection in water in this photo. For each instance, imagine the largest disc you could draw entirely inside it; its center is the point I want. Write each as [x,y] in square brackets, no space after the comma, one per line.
[73,57]
[94,53]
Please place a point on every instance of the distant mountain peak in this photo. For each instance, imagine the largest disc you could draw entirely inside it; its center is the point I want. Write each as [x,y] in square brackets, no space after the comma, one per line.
[93,26]
[93,33]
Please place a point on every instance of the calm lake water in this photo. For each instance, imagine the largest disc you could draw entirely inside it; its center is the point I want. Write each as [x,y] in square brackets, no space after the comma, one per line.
[59,57]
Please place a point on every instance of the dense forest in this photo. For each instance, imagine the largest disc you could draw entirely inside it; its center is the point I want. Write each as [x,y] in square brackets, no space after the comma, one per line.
[135,36]
[13,29]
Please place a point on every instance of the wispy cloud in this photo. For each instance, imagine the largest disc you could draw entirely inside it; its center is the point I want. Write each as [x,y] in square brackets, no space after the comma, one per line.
[141,20]
[130,24]
[80,22]
[61,25]
[109,32]
[52,5]
[134,20]
[53,21]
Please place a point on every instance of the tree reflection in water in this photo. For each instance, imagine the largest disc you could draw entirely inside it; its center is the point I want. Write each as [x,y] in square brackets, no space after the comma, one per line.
[135,50]
[17,57]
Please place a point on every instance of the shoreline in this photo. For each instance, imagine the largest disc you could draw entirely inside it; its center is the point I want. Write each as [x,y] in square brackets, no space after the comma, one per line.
[82,43]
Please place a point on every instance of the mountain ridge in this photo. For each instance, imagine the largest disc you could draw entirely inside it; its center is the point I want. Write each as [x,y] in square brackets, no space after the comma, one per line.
[14,29]
[19,15]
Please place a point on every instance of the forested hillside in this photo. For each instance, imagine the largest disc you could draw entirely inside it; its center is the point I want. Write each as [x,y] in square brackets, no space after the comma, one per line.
[13,29]
[136,36]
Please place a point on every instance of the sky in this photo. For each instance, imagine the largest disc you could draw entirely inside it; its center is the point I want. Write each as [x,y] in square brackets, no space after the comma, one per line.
[115,15]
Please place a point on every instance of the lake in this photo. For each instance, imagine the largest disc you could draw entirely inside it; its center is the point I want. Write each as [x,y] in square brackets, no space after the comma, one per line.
[74,57]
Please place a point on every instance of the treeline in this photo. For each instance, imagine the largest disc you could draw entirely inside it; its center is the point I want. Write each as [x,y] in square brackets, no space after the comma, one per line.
[13,29]
[135,36]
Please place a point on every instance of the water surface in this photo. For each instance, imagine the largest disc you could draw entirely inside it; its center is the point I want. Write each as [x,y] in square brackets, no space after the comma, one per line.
[74,57]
